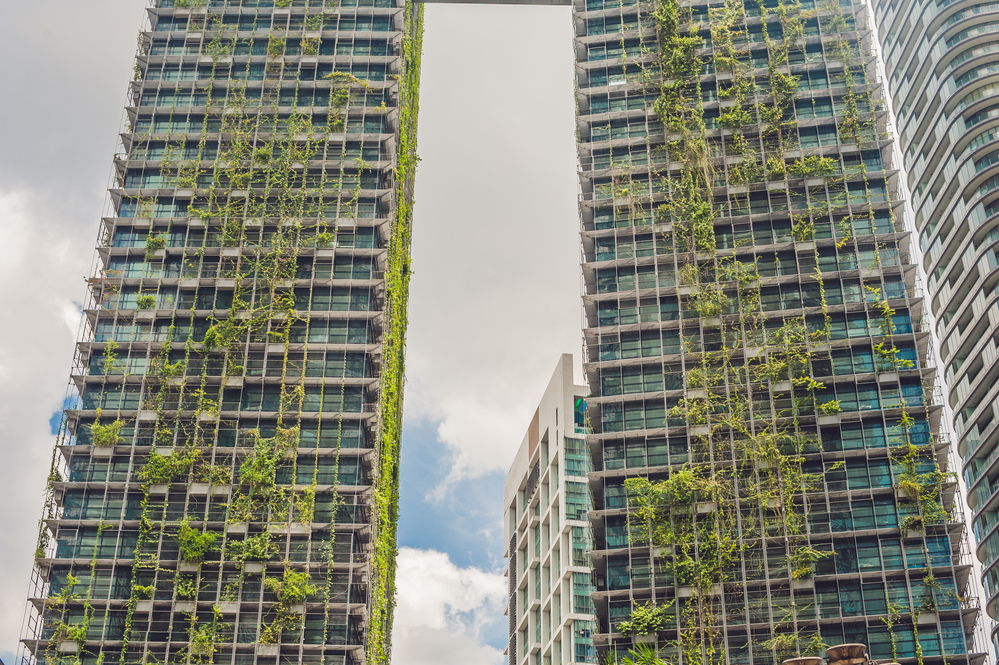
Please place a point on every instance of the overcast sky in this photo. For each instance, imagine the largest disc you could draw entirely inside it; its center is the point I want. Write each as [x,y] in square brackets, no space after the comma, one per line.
[494,301]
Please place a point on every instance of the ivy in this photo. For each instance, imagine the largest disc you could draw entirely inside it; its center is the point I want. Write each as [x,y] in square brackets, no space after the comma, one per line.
[195,546]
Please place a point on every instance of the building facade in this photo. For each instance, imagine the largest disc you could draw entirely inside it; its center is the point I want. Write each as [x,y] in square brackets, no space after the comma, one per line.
[942,79]
[225,484]
[547,501]
[768,474]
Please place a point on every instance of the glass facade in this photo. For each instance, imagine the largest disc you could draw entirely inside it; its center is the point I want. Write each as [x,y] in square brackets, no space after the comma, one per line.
[769,476]
[942,82]
[215,494]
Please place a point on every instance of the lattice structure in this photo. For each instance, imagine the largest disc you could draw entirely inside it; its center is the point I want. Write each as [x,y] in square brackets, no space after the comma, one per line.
[769,476]
[225,484]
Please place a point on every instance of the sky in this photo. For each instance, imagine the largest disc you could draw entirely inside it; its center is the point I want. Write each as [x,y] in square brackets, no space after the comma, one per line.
[495,292]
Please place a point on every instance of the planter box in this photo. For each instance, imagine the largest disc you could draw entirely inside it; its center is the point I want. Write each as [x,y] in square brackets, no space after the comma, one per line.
[163,451]
[685,290]
[68,646]
[208,416]
[705,507]
[662,551]
[234,382]
[188,567]
[804,246]
[697,393]
[712,321]
[236,527]
[888,377]
[146,416]
[324,253]
[254,567]
[186,606]
[926,619]
[700,430]
[176,381]
[231,251]
[298,608]
[782,386]
[198,489]
[645,639]
[806,583]
[275,348]
[228,607]
[815,182]
[159,488]
[684,591]
[268,649]
[825,346]
[288,528]
[227,283]
[144,606]
[913,533]
[753,351]
[101,451]
[222,489]
[828,420]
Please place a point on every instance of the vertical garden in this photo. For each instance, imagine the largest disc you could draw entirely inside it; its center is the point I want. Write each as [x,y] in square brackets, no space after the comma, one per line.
[770,478]
[225,482]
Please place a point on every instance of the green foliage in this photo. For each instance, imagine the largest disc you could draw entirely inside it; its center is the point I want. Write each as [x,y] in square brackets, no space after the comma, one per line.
[186,586]
[215,474]
[253,548]
[275,47]
[145,301]
[776,168]
[143,592]
[305,505]
[65,594]
[108,434]
[803,560]
[204,640]
[195,546]
[829,408]
[154,243]
[161,469]
[648,618]
[292,588]
[803,230]
[812,166]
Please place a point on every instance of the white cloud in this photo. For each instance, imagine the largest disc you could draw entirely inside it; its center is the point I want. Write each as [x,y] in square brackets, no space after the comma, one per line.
[41,269]
[443,611]
[495,296]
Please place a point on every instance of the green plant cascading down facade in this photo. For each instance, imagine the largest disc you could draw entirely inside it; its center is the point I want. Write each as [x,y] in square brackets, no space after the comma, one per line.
[225,484]
[769,475]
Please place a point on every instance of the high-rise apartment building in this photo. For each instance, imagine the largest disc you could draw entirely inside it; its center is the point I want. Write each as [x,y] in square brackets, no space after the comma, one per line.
[768,473]
[942,79]
[547,501]
[225,484]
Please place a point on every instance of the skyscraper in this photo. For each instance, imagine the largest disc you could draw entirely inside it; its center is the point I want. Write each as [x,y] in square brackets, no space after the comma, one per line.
[225,484]
[942,81]
[768,473]
[546,502]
